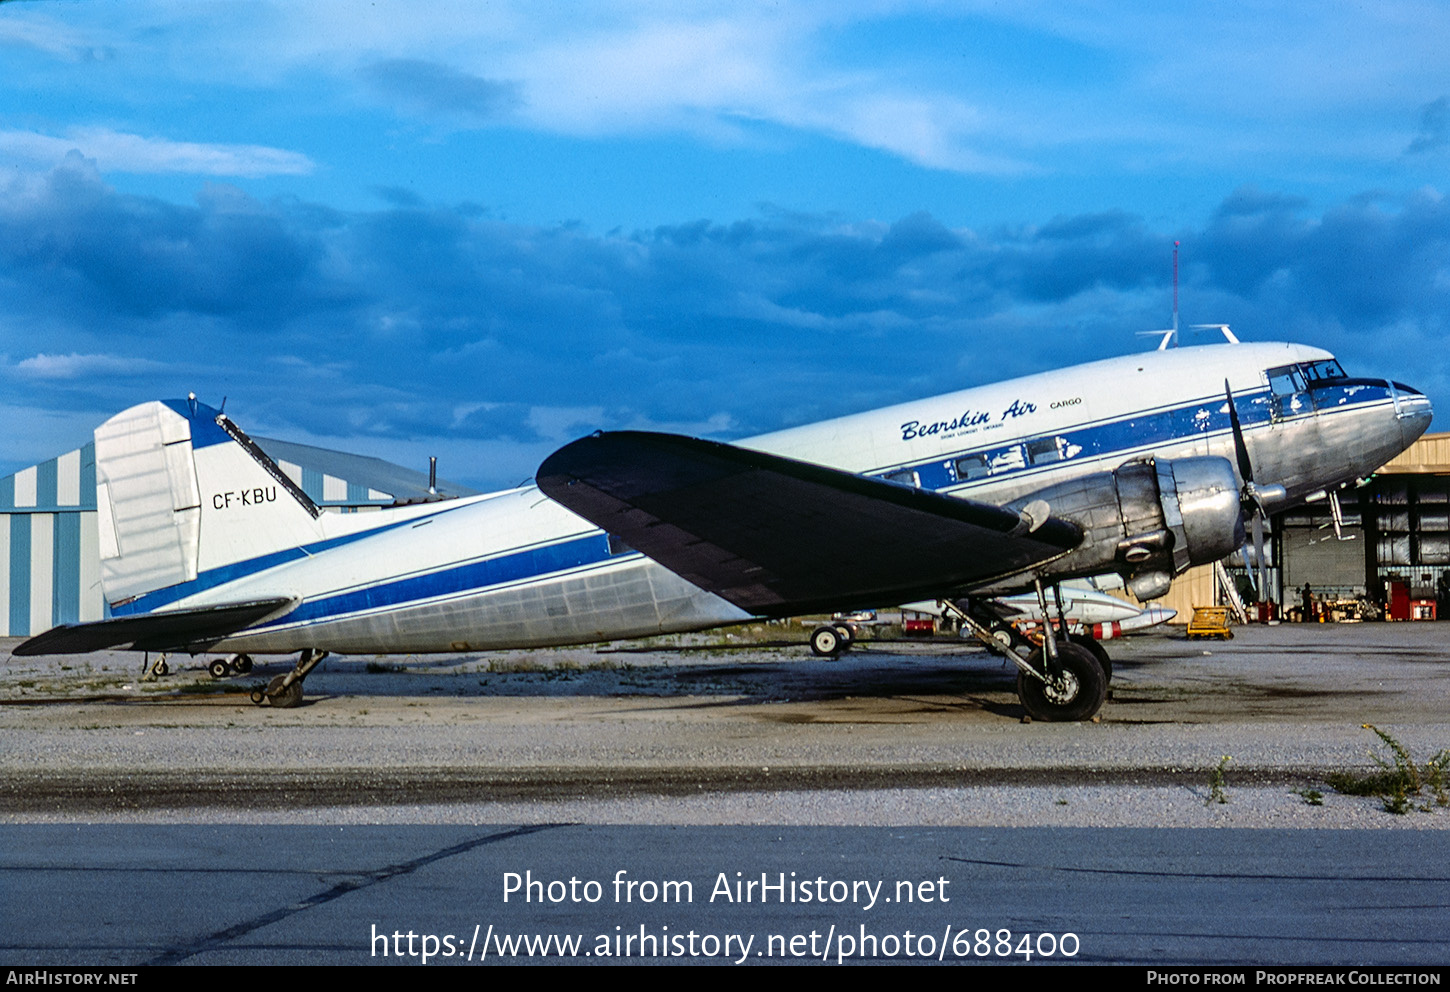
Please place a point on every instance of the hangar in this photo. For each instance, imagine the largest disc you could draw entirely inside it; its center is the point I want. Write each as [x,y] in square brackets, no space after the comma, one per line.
[1393,547]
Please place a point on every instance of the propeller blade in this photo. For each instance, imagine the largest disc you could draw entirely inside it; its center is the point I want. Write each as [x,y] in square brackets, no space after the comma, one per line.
[1246,468]
[1259,554]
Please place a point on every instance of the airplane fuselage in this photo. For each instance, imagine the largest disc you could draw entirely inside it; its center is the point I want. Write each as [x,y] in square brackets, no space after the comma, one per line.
[515,569]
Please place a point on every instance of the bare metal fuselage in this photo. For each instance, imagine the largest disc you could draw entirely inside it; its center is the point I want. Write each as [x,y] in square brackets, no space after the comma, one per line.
[516,570]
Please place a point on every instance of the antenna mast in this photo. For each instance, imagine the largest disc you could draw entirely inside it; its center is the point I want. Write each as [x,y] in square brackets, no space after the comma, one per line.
[1175,292]
[1169,337]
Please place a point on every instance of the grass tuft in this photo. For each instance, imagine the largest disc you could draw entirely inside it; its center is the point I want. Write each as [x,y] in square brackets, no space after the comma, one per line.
[1216,785]
[1399,781]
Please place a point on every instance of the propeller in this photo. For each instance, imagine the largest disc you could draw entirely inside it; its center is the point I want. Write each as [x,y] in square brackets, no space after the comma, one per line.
[1252,497]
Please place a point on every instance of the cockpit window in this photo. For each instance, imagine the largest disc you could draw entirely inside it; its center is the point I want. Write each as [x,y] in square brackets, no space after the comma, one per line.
[1324,371]
[1286,379]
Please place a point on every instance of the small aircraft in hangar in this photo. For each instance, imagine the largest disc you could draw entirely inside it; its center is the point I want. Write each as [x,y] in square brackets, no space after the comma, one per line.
[1142,466]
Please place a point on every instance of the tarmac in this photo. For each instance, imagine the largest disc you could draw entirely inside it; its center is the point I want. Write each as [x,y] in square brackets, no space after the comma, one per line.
[1194,823]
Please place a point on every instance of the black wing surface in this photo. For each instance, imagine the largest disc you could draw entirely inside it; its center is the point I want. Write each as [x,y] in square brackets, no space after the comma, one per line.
[780,537]
[153,631]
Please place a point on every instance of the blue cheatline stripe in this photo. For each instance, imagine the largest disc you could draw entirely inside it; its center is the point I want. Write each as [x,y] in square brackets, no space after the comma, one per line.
[214,577]
[19,574]
[65,569]
[477,575]
[1189,422]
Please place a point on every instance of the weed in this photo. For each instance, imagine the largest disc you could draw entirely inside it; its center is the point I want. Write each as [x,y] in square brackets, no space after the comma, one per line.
[1311,797]
[1399,780]
[1216,792]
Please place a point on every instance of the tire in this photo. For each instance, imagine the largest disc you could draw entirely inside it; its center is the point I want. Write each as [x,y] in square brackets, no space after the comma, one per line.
[1098,652]
[1079,698]
[848,635]
[826,642]
[219,669]
[242,664]
[287,698]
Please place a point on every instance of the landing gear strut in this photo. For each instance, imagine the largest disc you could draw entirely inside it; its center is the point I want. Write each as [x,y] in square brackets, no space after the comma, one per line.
[1063,680]
[285,691]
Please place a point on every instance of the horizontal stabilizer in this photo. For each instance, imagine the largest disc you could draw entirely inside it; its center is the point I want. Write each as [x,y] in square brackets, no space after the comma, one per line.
[780,537]
[162,631]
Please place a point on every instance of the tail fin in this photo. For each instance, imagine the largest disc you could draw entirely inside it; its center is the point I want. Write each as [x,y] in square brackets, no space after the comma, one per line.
[181,490]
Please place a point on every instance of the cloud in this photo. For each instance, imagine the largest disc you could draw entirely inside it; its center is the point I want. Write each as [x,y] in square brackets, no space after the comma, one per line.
[73,366]
[428,326]
[1434,131]
[117,151]
[439,89]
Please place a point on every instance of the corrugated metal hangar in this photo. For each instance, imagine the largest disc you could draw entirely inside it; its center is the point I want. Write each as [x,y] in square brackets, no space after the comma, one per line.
[49,544]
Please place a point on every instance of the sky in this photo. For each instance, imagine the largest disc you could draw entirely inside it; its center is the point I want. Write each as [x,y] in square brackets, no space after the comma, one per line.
[479,230]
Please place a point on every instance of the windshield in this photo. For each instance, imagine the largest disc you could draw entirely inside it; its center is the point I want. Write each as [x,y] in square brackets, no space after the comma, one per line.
[1322,371]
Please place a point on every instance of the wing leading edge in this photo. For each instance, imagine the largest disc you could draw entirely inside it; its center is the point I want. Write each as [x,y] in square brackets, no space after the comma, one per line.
[779,537]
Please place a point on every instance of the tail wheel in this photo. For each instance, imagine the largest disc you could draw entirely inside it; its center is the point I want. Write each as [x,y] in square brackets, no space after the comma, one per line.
[826,642]
[1077,695]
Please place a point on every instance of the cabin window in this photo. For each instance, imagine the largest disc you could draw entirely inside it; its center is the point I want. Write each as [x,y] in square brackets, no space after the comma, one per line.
[972,467]
[1007,459]
[1045,450]
[903,477]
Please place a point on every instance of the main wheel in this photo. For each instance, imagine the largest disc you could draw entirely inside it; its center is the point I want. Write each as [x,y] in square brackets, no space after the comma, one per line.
[1098,651]
[286,698]
[242,664]
[826,642]
[219,668]
[848,635]
[1077,695]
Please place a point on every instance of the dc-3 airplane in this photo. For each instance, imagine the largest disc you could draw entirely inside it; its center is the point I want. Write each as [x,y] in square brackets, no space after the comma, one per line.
[1141,466]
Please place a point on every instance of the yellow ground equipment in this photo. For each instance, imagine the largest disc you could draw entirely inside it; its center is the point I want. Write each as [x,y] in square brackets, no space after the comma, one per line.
[1210,621]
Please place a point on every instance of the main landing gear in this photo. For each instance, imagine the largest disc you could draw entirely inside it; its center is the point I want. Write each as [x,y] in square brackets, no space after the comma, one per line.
[1064,680]
[285,691]
[832,640]
[237,664]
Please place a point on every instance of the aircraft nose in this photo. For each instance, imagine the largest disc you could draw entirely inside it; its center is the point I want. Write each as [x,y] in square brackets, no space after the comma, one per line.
[1413,410]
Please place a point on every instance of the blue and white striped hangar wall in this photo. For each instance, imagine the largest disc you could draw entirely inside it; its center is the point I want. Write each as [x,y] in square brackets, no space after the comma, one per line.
[49,545]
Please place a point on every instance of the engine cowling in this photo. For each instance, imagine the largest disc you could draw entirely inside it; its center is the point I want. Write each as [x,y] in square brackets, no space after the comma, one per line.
[1148,520]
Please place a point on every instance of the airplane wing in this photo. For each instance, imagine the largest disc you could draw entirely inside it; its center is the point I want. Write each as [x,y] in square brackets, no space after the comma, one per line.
[779,537]
[153,631]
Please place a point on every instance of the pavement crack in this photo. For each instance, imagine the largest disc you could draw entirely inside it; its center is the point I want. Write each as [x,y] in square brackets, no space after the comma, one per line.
[357,881]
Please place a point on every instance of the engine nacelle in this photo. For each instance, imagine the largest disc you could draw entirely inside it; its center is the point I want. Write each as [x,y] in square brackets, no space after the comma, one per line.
[1148,520]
